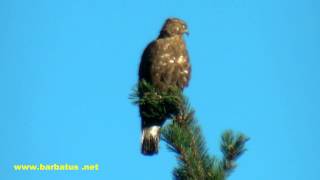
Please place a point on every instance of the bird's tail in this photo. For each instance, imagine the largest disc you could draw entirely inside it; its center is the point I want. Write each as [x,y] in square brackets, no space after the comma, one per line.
[150,140]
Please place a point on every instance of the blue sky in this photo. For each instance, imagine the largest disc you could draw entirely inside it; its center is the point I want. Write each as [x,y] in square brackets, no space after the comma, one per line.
[67,68]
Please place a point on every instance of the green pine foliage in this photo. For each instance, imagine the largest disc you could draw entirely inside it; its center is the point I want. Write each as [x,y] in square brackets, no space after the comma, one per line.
[156,104]
[184,137]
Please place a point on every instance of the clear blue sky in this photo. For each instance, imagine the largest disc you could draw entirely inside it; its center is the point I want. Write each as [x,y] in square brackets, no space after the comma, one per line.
[67,68]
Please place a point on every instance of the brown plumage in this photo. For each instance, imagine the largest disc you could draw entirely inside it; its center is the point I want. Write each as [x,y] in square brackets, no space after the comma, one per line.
[164,63]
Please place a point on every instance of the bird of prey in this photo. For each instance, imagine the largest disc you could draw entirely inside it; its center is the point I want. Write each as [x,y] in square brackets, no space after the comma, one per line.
[164,63]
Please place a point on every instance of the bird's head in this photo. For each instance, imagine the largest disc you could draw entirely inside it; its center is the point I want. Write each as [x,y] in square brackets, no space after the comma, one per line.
[174,27]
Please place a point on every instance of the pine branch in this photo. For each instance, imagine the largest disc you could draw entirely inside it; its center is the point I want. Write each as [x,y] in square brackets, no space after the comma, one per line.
[184,137]
[154,103]
[232,147]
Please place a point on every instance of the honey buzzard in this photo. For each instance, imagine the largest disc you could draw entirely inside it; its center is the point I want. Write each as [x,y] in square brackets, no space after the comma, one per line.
[164,63]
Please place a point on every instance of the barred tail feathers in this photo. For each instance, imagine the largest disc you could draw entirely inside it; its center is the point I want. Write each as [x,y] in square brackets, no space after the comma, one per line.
[150,140]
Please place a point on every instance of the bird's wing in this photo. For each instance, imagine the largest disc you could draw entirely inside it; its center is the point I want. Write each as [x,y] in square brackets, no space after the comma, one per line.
[164,63]
[146,60]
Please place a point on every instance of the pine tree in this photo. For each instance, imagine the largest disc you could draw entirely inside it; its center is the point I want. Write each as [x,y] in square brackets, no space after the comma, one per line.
[184,137]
